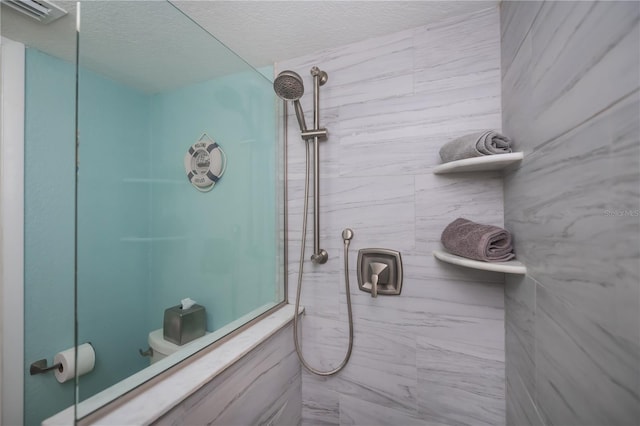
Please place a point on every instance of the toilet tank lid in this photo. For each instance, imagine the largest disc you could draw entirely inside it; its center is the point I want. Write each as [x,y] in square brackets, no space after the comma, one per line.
[157,343]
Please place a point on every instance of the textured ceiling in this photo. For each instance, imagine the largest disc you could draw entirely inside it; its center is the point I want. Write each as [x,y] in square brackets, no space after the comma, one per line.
[264,32]
[151,46]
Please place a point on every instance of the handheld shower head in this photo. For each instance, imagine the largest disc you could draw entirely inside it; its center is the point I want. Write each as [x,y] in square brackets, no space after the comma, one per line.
[289,87]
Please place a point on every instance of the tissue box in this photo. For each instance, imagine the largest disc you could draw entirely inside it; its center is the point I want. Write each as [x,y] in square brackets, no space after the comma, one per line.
[184,325]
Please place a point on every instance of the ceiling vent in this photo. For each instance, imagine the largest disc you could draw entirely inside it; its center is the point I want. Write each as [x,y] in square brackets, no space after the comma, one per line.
[40,10]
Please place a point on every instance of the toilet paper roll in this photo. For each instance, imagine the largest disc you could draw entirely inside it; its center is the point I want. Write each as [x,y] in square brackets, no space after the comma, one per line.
[68,367]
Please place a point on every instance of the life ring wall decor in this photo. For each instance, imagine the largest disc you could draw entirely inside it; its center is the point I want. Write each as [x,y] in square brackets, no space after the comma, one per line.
[205,163]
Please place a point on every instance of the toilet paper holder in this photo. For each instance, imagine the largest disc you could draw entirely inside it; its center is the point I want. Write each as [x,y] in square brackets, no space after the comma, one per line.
[40,367]
[67,364]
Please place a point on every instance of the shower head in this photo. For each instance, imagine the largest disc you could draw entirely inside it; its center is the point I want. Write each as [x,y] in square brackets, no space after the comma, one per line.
[289,87]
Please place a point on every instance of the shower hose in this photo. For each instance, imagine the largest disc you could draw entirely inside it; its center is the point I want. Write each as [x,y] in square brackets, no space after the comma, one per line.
[346,235]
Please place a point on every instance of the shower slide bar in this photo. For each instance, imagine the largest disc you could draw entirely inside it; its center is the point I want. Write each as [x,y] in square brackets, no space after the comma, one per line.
[319,78]
[288,85]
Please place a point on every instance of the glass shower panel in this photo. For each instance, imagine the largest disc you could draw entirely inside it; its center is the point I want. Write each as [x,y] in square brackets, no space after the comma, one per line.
[152,83]
[49,175]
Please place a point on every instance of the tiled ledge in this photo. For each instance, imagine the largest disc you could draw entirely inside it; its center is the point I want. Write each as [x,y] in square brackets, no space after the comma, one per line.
[147,406]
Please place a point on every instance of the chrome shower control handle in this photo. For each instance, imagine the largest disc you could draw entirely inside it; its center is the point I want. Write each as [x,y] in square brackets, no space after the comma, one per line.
[374,285]
[376,270]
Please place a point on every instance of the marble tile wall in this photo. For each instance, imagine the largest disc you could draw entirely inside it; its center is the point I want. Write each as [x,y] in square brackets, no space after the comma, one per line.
[570,99]
[262,388]
[435,354]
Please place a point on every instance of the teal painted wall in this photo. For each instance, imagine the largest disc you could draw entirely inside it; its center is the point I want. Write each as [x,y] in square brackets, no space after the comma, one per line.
[218,248]
[113,212]
[113,268]
[49,224]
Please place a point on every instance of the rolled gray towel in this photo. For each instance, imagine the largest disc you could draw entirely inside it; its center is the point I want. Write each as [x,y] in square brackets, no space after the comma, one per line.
[476,241]
[475,145]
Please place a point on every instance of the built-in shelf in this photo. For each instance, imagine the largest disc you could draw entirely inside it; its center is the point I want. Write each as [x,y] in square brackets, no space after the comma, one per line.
[510,267]
[156,181]
[479,164]
[151,239]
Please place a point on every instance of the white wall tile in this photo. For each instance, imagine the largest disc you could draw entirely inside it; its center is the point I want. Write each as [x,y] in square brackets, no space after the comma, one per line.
[515,21]
[585,57]
[320,400]
[571,102]
[391,103]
